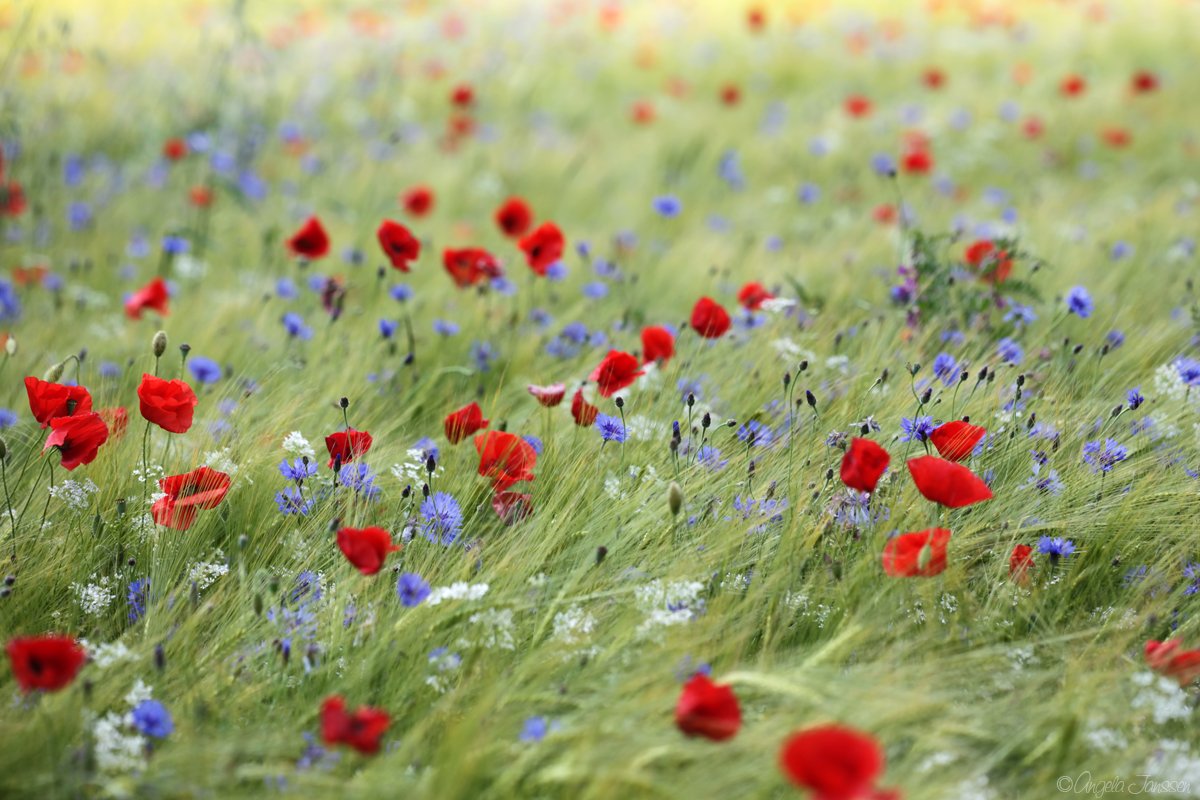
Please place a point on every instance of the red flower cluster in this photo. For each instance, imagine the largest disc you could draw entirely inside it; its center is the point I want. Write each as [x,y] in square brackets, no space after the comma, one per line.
[366,548]
[168,404]
[835,763]
[617,371]
[1168,660]
[1072,86]
[708,709]
[47,662]
[418,200]
[310,241]
[50,400]
[398,243]
[993,266]
[916,555]
[470,265]
[153,296]
[464,422]
[858,106]
[187,494]
[174,149]
[362,729]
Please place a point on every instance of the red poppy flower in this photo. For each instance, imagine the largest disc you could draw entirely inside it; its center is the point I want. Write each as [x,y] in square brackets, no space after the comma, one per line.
[543,247]
[174,149]
[470,266]
[884,214]
[957,439]
[1019,563]
[153,296]
[731,95]
[934,78]
[756,19]
[708,709]
[505,458]
[117,420]
[1168,660]
[347,445]
[187,494]
[418,200]
[1072,86]
[459,125]
[514,217]
[168,404]
[1144,82]
[12,199]
[78,438]
[863,465]
[362,730]
[29,277]
[657,343]
[464,422]
[947,483]
[549,396]
[200,196]
[366,548]
[834,763]
[709,319]
[512,507]
[1116,137]
[45,662]
[917,162]
[993,266]
[857,106]
[462,95]
[583,411]
[1033,127]
[615,372]
[642,112]
[753,294]
[916,555]
[310,241]
[398,243]
[49,400]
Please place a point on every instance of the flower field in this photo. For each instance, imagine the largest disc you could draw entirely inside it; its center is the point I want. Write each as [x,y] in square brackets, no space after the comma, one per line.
[599,399]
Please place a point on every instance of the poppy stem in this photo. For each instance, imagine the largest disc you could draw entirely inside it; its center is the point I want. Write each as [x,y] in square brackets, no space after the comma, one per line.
[25,508]
[8,502]
[49,494]
[145,467]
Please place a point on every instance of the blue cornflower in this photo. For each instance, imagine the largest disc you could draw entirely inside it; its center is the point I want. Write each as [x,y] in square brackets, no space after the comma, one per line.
[204,369]
[482,353]
[109,369]
[561,348]
[222,162]
[137,598]
[411,589]
[536,729]
[151,718]
[1080,302]
[883,164]
[1192,573]
[1020,315]
[293,323]
[718,224]
[175,245]
[308,587]
[444,659]
[1134,398]
[1103,456]
[596,290]
[428,447]
[598,338]
[611,429]
[1009,351]
[138,247]
[388,327]
[8,418]
[290,501]
[10,302]
[359,478]
[809,193]
[755,433]
[535,443]
[557,272]
[945,367]
[729,169]
[541,317]
[1120,250]
[299,470]
[79,215]
[710,457]
[583,248]
[916,429]
[1046,485]
[252,186]
[575,332]
[400,292]
[1056,548]
[443,518]
[1115,339]
[692,386]
[445,327]
[317,282]
[1189,370]
[73,170]
[285,288]
[668,206]
[506,288]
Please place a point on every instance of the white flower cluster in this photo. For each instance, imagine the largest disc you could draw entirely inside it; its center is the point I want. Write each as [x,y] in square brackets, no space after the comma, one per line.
[107,654]
[1162,696]
[204,574]
[94,598]
[789,350]
[1173,761]
[297,446]
[1169,384]
[643,429]
[221,461]
[116,750]
[457,591]
[573,625]
[666,604]
[154,472]
[74,495]
[496,628]
[413,471]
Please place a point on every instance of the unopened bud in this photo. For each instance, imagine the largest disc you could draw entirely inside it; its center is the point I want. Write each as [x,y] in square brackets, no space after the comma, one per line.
[926,396]
[1077,349]
[243,540]
[601,552]
[10,345]
[54,373]
[674,498]
[810,398]
[924,557]
[829,474]
[1021,379]
[803,366]
[344,402]
[706,420]
[160,659]
[3,448]
[787,378]
[122,506]
[965,374]
[159,344]
[913,369]
[865,429]
[1117,410]
[425,490]
[691,399]
[258,604]
[620,402]
[97,525]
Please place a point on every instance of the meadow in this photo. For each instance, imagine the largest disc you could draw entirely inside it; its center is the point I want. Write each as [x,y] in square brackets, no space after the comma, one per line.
[603,400]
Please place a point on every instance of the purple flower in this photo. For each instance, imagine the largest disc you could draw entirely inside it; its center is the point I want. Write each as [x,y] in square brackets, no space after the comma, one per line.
[1080,302]
[917,428]
[611,429]
[1103,456]
[388,327]
[1009,351]
[1056,548]
[667,206]
[411,589]
[152,719]
[204,369]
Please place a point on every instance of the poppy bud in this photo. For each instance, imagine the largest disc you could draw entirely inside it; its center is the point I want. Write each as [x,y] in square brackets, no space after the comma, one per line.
[121,506]
[344,402]
[10,345]
[54,373]
[601,552]
[160,660]
[883,376]
[926,396]
[924,557]
[810,398]
[159,343]
[803,366]
[258,604]
[674,498]
[620,402]
[965,374]
[706,420]
[691,399]
[787,378]
[184,349]
[243,540]
[5,592]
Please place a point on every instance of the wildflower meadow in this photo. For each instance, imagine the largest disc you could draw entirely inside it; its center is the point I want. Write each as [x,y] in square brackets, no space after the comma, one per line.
[599,399]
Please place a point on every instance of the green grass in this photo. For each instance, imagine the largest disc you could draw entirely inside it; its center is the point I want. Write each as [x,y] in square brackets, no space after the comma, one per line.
[975,686]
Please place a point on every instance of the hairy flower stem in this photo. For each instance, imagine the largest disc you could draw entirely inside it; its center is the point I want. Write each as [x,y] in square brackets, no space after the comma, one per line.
[8,501]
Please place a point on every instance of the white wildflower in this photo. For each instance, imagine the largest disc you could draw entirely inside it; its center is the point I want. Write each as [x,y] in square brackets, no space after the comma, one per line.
[666,604]
[788,349]
[117,751]
[1172,762]
[204,574]
[777,304]
[138,693]
[457,591]
[612,487]
[414,470]
[573,625]
[497,628]
[107,654]
[1163,697]
[94,598]
[1105,739]
[297,446]
[74,495]
[643,429]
